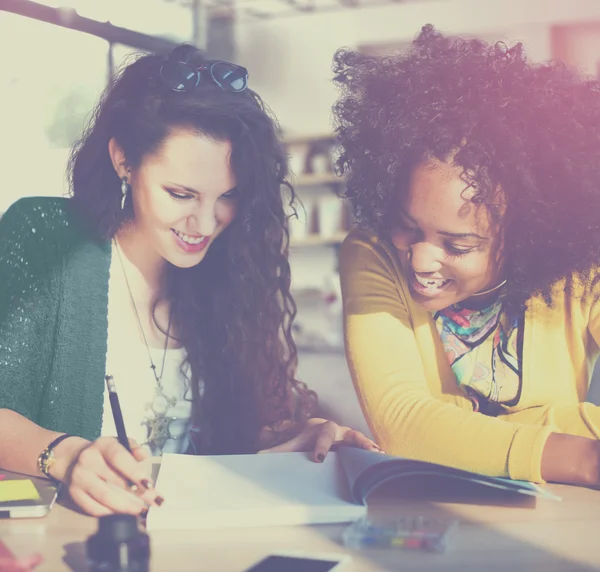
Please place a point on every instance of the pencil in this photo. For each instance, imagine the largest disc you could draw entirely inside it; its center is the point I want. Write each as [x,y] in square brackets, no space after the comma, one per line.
[116,411]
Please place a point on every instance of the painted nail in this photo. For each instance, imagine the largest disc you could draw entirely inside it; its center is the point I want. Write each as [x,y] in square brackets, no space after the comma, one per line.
[147,483]
[144,513]
[159,500]
[320,457]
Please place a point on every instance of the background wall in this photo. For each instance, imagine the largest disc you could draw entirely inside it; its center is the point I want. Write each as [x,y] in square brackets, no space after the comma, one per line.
[578,45]
[290,58]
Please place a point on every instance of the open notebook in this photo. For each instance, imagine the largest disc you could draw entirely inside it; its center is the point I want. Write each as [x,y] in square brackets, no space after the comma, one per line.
[277,489]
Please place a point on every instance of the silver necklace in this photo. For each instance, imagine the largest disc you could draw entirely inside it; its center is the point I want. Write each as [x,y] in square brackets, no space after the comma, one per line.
[159,426]
[490,289]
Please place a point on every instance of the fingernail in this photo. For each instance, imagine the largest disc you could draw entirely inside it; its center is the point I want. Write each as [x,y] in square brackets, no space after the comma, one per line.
[320,457]
[133,488]
[144,513]
[159,500]
[147,483]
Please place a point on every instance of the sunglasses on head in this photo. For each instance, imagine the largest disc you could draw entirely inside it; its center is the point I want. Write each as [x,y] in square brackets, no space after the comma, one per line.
[180,76]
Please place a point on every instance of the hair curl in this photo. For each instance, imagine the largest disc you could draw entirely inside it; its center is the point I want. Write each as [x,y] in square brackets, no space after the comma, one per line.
[233,312]
[532,130]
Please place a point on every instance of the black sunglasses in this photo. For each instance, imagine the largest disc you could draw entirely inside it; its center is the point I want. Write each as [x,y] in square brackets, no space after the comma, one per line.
[180,76]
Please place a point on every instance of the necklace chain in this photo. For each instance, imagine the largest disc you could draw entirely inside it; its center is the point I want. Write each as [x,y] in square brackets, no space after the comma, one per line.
[490,289]
[159,427]
[157,377]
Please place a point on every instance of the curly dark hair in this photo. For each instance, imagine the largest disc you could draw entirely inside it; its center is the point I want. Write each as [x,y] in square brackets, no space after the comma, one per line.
[233,312]
[532,130]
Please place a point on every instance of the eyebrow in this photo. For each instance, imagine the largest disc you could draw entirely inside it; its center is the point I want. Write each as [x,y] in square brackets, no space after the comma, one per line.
[461,235]
[446,233]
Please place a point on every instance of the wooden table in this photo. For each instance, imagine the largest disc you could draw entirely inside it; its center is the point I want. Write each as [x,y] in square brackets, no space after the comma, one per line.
[496,532]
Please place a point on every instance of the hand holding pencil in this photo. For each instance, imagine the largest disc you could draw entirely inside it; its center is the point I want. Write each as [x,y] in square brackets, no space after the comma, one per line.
[107,475]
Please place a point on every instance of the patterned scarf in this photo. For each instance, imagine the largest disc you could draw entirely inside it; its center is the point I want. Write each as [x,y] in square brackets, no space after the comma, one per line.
[482,349]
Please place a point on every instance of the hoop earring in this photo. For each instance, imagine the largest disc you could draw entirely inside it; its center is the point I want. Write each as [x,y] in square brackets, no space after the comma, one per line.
[124,191]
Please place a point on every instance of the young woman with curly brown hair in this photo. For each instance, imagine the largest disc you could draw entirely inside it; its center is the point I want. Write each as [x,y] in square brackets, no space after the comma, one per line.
[166,271]
[471,287]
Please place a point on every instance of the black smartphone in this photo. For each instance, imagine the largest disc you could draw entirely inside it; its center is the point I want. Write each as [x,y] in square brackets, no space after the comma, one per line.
[301,563]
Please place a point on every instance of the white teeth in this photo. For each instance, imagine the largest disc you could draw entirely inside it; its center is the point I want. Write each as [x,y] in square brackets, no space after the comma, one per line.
[189,239]
[430,283]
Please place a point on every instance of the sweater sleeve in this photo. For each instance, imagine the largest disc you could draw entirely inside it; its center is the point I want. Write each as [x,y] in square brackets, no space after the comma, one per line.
[25,314]
[594,319]
[390,381]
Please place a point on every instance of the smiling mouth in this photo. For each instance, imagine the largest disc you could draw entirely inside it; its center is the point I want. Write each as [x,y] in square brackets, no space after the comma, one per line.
[431,282]
[188,239]
[428,287]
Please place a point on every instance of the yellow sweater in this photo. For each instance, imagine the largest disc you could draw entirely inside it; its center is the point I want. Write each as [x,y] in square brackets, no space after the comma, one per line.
[409,394]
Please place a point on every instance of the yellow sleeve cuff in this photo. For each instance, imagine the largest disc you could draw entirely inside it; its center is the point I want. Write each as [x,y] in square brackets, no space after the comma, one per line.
[525,456]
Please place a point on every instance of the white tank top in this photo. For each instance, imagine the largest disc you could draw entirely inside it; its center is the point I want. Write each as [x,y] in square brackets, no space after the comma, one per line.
[159,420]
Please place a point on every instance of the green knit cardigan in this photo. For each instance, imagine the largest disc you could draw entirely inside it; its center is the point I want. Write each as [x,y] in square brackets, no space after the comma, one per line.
[53,317]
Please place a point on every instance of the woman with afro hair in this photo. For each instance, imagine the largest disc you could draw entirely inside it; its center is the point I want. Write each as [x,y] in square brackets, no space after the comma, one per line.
[471,284]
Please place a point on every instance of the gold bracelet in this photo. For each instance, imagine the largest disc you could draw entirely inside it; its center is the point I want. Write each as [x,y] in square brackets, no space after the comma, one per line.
[46,458]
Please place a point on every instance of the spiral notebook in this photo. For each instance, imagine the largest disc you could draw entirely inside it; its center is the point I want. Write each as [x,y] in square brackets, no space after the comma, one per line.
[277,489]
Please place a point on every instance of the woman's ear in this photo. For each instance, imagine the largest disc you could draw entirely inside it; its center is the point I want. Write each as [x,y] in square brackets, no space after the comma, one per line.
[118,159]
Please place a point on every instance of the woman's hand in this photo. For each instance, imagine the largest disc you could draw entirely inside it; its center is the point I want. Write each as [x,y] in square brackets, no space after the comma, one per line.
[102,477]
[319,435]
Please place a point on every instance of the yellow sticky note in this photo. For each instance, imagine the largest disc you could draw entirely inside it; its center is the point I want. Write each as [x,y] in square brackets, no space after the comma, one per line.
[16,490]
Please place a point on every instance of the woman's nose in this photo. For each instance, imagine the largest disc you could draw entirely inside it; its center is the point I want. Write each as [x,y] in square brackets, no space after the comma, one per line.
[424,258]
[206,219]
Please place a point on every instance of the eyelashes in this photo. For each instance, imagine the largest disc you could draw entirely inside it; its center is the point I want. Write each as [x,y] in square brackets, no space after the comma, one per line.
[454,252]
[180,196]
[404,237]
[229,195]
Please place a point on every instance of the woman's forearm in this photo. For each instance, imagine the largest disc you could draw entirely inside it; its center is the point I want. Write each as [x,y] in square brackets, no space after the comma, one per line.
[22,441]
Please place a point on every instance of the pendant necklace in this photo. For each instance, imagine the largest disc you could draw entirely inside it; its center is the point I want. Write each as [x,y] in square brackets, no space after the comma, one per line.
[159,426]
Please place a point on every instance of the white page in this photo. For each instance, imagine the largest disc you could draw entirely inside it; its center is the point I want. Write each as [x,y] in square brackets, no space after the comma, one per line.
[271,489]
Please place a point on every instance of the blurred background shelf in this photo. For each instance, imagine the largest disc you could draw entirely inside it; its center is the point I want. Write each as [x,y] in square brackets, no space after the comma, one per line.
[324,218]
[317,240]
[320,348]
[307,138]
[316,179]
